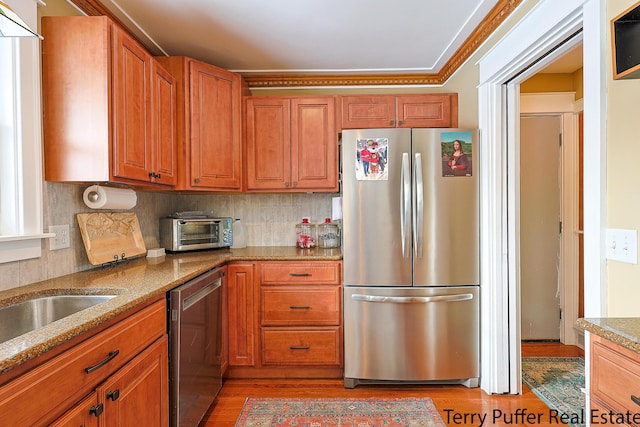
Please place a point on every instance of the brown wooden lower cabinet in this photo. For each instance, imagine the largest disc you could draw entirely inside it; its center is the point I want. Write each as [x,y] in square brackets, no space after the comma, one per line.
[83,414]
[242,314]
[113,377]
[285,319]
[615,381]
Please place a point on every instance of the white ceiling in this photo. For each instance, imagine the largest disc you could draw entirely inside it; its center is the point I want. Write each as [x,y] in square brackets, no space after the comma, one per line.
[298,36]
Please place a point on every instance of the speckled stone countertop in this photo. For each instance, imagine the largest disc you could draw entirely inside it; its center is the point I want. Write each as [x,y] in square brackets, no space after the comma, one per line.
[624,331]
[134,282]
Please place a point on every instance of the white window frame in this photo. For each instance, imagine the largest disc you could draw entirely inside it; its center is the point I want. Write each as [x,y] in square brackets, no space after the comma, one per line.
[21,226]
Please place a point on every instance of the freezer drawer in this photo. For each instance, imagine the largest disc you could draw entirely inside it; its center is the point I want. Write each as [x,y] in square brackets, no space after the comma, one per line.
[411,334]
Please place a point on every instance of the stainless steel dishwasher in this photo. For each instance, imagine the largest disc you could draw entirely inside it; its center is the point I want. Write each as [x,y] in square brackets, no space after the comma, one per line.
[195,354]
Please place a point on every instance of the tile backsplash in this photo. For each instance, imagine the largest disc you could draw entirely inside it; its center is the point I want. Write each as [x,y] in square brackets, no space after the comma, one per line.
[270,220]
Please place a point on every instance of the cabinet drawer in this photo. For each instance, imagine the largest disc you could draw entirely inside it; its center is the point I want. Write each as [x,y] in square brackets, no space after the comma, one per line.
[280,273]
[300,346]
[63,380]
[288,306]
[615,375]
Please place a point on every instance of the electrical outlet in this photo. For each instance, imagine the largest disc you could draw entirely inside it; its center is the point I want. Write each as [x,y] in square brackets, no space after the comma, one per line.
[622,245]
[61,239]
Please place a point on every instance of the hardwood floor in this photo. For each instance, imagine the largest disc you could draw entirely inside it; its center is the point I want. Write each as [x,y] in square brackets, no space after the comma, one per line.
[458,399]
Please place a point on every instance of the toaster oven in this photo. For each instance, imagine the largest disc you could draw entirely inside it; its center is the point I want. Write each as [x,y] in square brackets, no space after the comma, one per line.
[188,234]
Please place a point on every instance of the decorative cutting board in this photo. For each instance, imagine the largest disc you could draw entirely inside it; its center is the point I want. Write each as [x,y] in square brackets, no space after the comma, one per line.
[111,236]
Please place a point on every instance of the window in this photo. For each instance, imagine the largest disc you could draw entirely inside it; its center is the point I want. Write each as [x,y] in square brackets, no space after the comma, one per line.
[20,143]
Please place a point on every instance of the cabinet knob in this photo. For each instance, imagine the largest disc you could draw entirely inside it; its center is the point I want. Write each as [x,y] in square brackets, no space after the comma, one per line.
[113,395]
[392,122]
[158,175]
[197,180]
[400,123]
[295,183]
[151,174]
[96,410]
[286,184]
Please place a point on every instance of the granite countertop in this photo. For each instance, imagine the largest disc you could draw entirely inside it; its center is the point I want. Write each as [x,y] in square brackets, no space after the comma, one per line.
[624,331]
[134,282]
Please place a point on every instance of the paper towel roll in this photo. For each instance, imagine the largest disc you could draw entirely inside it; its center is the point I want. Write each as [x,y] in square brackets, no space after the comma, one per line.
[97,197]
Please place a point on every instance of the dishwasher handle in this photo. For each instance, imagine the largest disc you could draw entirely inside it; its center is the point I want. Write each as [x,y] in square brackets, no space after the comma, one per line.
[200,294]
[412,300]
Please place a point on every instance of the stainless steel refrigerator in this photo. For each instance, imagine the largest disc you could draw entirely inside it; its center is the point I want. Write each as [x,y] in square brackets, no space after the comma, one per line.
[410,256]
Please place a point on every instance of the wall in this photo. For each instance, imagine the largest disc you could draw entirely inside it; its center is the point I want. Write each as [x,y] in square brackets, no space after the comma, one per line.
[623,176]
[548,82]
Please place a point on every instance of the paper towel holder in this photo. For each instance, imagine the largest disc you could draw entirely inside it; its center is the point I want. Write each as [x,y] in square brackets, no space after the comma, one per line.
[93,195]
[105,197]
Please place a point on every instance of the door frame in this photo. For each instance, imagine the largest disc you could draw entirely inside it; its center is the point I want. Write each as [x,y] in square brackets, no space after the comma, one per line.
[562,104]
[537,40]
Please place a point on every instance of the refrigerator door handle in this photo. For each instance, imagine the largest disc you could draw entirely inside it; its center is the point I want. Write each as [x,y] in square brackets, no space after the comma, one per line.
[418,218]
[412,300]
[405,206]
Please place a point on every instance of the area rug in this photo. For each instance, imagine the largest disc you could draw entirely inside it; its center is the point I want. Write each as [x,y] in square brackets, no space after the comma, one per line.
[339,412]
[558,382]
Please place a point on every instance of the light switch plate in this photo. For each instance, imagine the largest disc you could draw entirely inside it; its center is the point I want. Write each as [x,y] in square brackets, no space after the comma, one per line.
[622,245]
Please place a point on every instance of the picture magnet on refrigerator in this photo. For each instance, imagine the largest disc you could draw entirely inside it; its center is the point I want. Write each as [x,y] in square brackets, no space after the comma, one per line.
[371,159]
[457,153]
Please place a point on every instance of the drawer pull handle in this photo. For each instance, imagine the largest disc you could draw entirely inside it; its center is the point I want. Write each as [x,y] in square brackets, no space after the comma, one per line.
[299,274]
[635,399]
[96,410]
[114,395]
[299,347]
[109,358]
[299,307]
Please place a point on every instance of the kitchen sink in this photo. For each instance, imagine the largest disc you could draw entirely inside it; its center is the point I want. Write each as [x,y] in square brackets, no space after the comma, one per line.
[29,315]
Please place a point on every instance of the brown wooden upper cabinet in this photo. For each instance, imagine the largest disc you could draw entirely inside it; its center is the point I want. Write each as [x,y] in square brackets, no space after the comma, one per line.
[437,110]
[291,144]
[209,125]
[109,107]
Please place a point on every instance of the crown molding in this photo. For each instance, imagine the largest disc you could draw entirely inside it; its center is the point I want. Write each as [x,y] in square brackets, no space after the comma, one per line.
[494,18]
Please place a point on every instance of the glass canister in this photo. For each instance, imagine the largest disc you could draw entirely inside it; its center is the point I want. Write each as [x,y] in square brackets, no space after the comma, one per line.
[305,234]
[328,235]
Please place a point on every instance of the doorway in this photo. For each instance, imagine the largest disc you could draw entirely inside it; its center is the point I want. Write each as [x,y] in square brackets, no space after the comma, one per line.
[535,39]
[540,226]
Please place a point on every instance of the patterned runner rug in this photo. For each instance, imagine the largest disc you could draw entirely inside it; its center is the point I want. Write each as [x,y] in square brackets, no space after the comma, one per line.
[558,382]
[339,412]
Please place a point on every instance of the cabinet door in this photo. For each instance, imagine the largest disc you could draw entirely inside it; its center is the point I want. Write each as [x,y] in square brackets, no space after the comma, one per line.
[216,130]
[84,414]
[268,141]
[314,144]
[131,72]
[368,112]
[163,125]
[139,390]
[427,111]
[224,362]
[242,314]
